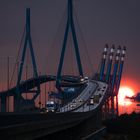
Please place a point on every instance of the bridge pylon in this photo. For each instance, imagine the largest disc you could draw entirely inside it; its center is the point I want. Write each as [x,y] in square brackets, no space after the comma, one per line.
[69,26]
[27,44]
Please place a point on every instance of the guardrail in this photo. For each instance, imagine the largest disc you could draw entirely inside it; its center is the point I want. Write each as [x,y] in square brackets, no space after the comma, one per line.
[96,135]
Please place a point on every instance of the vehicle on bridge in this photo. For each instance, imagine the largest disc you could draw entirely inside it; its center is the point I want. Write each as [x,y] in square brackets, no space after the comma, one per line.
[84,79]
[90,101]
[70,90]
[52,106]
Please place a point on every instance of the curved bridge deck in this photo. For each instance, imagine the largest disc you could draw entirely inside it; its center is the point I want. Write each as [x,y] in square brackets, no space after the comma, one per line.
[34,126]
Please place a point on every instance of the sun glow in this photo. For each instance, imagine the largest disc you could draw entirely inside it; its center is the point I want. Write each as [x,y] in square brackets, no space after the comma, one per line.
[123,92]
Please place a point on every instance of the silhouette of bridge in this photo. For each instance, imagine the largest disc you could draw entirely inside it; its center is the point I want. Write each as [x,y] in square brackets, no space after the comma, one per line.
[105,84]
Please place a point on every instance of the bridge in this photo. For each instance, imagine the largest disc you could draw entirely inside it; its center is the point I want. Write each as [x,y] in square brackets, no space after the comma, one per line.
[96,97]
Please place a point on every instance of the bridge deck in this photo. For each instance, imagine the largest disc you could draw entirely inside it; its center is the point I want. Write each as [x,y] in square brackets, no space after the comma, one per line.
[80,103]
[22,126]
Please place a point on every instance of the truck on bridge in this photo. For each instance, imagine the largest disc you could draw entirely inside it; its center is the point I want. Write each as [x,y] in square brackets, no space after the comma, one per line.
[52,106]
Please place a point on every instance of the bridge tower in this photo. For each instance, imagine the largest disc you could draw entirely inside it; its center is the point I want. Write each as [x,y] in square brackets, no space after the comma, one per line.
[27,44]
[69,26]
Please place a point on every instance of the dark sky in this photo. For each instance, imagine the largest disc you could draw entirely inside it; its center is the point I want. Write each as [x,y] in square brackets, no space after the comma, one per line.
[101,21]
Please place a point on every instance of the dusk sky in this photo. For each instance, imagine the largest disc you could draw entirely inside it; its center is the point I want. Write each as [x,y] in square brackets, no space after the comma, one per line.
[101,21]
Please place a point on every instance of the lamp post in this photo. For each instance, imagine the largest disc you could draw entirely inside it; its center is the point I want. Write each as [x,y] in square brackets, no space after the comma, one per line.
[8,59]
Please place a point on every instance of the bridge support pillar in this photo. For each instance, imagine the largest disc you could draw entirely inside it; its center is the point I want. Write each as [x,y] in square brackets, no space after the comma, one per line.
[15,104]
[17,100]
[3,104]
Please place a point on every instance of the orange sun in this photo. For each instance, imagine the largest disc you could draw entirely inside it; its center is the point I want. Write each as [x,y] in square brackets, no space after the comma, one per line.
[123,92]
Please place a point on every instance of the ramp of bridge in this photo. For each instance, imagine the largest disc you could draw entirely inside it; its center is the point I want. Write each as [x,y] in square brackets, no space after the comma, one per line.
[31,126]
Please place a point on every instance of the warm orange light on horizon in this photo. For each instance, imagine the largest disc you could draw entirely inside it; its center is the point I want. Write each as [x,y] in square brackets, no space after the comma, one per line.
[123,92]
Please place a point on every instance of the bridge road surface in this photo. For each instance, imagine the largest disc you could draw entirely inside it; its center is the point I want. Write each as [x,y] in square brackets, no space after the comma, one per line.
[102,87]
[30,126]
[79,104]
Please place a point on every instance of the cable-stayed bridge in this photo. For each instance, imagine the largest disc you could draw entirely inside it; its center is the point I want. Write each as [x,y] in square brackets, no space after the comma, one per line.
[94,97]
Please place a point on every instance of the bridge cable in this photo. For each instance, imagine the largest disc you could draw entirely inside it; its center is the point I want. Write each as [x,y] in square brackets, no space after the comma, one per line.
[83,40]
[18,53]
[55,38]
[72,59]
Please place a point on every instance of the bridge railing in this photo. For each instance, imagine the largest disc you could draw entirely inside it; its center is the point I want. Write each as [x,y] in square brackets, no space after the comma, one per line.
[96,135]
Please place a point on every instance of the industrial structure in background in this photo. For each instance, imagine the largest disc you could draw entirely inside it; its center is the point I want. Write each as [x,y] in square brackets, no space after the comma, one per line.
[85,99]
[111,73]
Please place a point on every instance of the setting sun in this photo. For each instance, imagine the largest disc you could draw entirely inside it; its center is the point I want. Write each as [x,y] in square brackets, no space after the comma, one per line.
[123,92]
